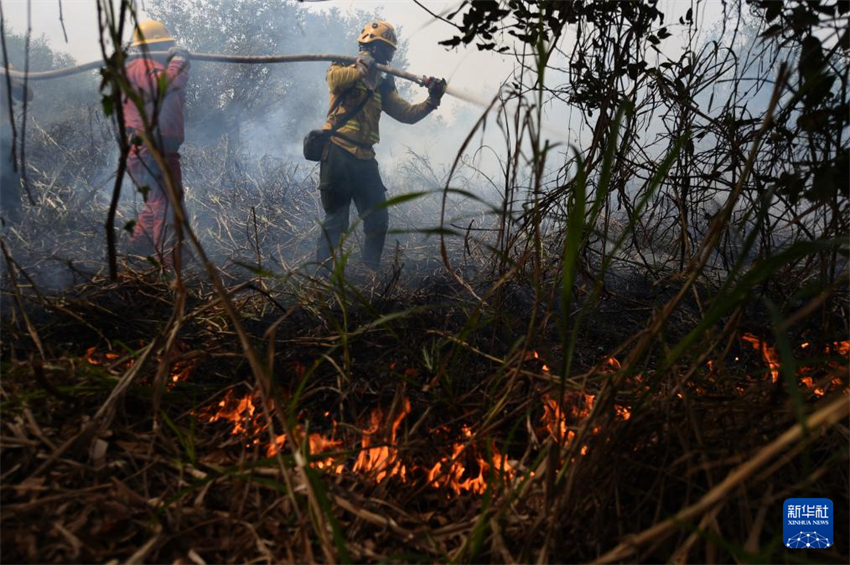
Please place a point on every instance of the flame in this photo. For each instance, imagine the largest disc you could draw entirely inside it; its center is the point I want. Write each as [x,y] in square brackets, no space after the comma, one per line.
[245,418]
[559,417]
[768,353]
[90,356]
[466,470]
[383,460]
[452,473]
[181,370]
[529,355]
[238,411]
[556,421]
[807,381]
[318,444]
[804,373]
[93,357]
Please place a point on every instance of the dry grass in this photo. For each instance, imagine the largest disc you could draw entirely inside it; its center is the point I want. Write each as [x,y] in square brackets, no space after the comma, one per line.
[631,356]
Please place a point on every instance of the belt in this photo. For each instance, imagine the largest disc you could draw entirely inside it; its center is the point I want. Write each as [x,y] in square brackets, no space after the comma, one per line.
[351,141]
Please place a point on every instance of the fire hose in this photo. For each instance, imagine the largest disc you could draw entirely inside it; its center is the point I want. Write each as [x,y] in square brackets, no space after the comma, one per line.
[244,60]
[216,58]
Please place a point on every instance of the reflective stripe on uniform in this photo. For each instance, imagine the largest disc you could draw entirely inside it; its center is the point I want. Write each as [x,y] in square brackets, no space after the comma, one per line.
[354,126]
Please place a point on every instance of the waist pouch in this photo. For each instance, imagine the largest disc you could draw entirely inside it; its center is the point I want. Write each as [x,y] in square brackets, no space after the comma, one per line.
[314,144]
[316,141]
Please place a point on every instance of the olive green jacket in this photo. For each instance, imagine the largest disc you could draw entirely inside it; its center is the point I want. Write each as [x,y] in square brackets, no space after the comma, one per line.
[361,131]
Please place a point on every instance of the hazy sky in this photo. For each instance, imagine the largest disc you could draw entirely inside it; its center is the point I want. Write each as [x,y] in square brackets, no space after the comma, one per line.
[465,68]
[477,72]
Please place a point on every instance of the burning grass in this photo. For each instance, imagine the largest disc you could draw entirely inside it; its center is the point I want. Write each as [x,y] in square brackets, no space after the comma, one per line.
[406,468]
[416,417]
[579,372]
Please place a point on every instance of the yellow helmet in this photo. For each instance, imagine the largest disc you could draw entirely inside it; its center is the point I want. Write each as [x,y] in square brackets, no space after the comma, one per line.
[379,31]
[150,31]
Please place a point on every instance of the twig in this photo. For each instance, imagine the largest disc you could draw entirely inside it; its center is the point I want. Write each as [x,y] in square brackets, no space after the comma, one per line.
[24,176]
[30,328]
[62,21]
[8,81]
[436,16]
[826,417]
[123,142]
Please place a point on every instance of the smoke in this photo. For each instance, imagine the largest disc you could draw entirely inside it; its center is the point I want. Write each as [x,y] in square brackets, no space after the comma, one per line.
[251,195]
[248,122]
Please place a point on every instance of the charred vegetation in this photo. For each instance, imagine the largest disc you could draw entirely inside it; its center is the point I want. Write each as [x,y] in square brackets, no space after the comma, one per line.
[632,346]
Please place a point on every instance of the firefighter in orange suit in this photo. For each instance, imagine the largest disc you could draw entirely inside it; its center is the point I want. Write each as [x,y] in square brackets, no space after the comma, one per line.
[349,171]
[163,111]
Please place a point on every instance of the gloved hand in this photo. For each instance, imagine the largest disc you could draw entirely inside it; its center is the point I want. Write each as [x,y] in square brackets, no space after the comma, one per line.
[178,52]
[436,88]
[365,62]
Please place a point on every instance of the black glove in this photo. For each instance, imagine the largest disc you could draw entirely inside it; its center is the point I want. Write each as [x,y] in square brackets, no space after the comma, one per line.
[436,88]
[365,62]
[178,53]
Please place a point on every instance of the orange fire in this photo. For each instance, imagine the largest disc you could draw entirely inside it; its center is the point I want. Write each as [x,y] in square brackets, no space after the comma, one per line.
[768,353]
[381,461]
[452,472]
[470,465]
[247,420]
[559,417]
[556,420]
[238,411]
[94,357]
[466,470]
[808,382]
[807,379]
[180,371]
[804,373]
[534,355]
[318,444]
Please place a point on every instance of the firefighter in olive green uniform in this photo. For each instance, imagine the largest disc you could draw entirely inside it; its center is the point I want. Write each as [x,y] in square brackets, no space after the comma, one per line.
[349,170]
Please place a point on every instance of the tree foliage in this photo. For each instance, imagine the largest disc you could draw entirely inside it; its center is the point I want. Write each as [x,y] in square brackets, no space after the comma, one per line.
[715,87]
[232,99]
[819,34]
[611,34]
[53,99]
